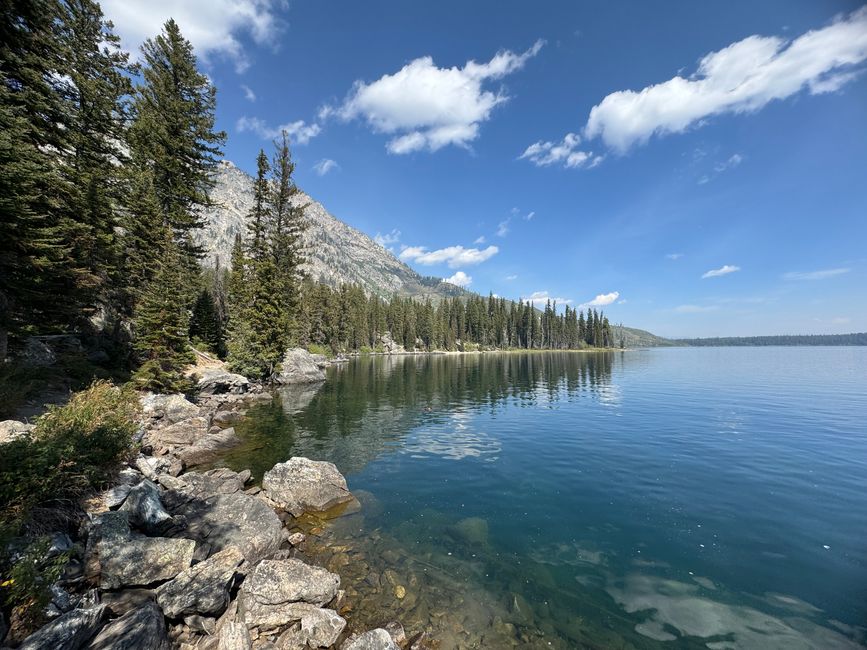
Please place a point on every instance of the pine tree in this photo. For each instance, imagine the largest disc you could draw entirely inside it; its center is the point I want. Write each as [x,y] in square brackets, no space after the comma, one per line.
[205,323]
[161,327]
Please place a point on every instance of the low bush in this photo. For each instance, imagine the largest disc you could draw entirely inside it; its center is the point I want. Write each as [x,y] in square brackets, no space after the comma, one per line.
[315,348]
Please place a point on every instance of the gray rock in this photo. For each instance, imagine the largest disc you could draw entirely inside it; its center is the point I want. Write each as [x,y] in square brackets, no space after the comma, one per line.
[138,560]
[396,632]
[37,353]
[301,485]
[13,429]
[209,447]
[145,509]
[68,632]
[60,543]
[378,639]
[151,467]
[322,627]
[201,589]
[227,418]
[143,628]
[219,381]
[115,496]
[279,592]
[238,519]
[168,408]
[299,367]
[235,636]
[201,624]
[182,433]
[125,600]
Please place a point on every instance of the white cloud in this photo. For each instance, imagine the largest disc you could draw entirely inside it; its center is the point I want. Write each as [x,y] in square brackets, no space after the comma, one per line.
[480,240]
[814,275]
[212,26]
[695,309]
[511,277]
[723,270]
[565,152]
[249,95]
[740,78]
[299,132]
[542,297]
[603,299]
[426,107]
[529,216]
[453,256]
[674,256]
[388,238]
[460,279]
[733,161]
[503,227]
[325,165]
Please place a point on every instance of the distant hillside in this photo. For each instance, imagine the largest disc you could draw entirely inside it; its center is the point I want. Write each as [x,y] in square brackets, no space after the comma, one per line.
[805,339]
[635,338]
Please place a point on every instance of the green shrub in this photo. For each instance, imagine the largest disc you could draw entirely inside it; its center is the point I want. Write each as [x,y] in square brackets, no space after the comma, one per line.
[72,448]
[26,587]
[315,348]
[365,350]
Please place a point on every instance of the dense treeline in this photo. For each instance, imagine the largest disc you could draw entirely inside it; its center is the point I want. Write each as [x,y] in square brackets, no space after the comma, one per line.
[347,319]
[793,339]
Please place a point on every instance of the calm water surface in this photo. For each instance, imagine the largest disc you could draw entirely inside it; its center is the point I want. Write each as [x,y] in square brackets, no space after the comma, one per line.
[676,498]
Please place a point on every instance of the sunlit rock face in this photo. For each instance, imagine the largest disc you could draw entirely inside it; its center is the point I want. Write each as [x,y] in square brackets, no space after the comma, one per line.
[337,253]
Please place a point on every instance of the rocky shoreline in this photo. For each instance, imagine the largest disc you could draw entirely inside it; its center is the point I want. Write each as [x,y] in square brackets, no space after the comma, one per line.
[171,556]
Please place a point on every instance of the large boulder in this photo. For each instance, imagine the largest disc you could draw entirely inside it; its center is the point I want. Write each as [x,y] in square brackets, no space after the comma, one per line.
[143,628]
[209,447]
[322,627]
[302,485]
[234,636]
[145,509]
[377,639]
[236,519]
[13,429]
[219,381]
[137,560]
[168,408]
[68,632]
[182,433]
[299,367]
[201,589]
[279,592]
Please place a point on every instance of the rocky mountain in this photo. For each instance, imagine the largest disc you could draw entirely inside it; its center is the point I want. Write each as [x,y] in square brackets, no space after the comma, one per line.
[337,253]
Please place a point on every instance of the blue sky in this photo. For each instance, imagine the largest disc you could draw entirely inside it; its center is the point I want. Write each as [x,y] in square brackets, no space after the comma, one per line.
[696,170]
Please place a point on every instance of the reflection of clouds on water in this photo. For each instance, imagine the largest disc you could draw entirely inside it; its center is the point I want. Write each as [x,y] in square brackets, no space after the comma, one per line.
[454,440]
[609,394]
[682,607]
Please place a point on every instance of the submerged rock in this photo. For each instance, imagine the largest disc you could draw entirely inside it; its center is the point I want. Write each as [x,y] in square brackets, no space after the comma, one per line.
[301,485]
[378,639]
[201,589]
[68,632]
[143,628]
[299,367]
[472,531]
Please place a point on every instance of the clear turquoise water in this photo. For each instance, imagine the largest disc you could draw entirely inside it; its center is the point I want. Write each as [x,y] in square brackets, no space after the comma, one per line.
[653,498]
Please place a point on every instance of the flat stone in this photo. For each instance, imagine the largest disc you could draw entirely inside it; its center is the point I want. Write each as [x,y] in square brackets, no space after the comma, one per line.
[219,381]
[299,367]
[378,639]
[125,600]
[169,408]
[238,519]
[209,447]
[115,496]
[201,589]
[182,433]
[235,636]
[67,632]
[139,561]
[322,627]
[302,485]
[143,628]
[145,509]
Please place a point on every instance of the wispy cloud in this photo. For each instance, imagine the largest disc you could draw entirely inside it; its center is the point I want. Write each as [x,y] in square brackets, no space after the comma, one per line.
[814,275]
[249,95]
[453,256]
[388,239]
[425,107]
[299,132]
[602,299]
[695,309]
[511,277]
[723,270]
[503,227]
[325,165]
[542,297]
[566,153]
[460,279]
[674,256]
[741,78]
[480,240]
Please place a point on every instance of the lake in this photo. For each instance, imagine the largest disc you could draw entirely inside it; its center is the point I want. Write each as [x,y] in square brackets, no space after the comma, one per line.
[660,498]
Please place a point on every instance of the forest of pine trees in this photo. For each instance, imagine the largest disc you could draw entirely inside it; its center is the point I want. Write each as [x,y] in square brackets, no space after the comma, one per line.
[105,168]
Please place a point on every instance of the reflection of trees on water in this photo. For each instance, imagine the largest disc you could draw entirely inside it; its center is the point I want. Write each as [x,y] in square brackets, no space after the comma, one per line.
[369,404]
